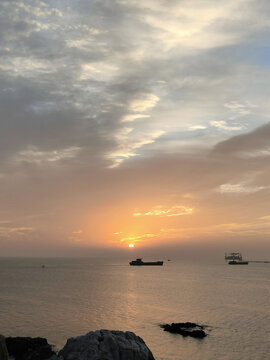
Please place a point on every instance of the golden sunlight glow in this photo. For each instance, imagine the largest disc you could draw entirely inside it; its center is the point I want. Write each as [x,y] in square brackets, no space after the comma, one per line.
[176,210]
[132,241]
[137,238]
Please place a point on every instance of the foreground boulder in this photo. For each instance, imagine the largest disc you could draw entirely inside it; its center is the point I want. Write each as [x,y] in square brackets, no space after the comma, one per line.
[26,348]
[105,345]
[186,329]
[3,348]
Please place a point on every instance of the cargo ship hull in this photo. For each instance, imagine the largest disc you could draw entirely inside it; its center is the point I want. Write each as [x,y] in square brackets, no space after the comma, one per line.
[139,262]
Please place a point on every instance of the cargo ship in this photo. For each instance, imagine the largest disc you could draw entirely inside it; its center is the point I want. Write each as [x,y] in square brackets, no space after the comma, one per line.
[139,262]
[237,262]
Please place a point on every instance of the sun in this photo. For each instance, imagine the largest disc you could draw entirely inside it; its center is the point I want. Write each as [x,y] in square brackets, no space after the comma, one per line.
[131,245]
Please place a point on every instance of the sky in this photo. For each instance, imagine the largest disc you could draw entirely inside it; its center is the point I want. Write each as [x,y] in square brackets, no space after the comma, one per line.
[128,122]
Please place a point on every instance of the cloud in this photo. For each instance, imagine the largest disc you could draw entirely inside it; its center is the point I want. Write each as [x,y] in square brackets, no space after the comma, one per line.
[176,210]
[188,24]
[32,154]
[196,127]
[250,143]
[240,188]
[145,102]
[131,103]
[21,229]
[77,232]
[128,146]
[15,232]
[132,117]
[224,125]
[239,110]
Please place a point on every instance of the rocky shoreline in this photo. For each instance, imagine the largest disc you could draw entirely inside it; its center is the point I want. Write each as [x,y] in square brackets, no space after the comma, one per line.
[95,345]
[25,348]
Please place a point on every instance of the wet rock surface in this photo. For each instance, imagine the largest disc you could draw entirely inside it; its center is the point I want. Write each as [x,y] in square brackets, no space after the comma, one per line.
[105,345]
[186,329]
[27,348]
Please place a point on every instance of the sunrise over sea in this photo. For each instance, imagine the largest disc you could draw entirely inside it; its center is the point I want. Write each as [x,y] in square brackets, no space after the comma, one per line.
[129,122]
[136,132]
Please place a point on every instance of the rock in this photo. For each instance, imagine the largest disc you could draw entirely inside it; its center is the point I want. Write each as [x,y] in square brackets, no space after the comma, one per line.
[105,345]
[3,348]
[186,329]
[26,348]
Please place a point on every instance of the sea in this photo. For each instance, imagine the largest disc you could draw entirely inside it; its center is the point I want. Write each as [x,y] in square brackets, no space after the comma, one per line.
[70,297]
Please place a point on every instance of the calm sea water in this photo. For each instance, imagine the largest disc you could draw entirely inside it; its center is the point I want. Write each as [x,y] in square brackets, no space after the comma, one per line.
[70,297]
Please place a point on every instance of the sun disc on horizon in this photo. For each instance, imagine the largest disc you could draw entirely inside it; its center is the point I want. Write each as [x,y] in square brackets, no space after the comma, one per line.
[131,245]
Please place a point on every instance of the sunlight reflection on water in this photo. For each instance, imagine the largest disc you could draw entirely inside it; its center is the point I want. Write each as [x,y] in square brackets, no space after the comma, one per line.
[70,297]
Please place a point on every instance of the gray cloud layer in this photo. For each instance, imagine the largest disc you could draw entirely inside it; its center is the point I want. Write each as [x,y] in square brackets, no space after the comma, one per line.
[108,102]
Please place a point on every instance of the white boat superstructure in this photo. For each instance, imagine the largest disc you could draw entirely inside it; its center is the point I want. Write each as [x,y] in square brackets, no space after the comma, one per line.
[233,256]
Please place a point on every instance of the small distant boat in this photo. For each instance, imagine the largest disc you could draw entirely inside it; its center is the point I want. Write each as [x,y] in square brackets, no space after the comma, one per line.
[139,262]
[235,259]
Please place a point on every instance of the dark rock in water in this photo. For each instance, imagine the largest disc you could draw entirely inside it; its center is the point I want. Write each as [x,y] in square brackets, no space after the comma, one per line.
[185,329]
[186,325]
[26,348]
[105,345]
